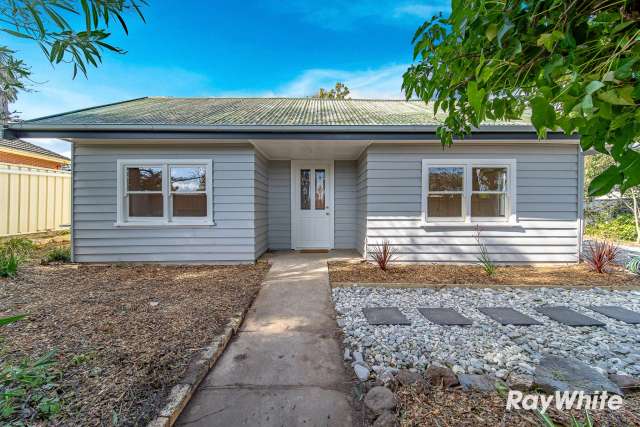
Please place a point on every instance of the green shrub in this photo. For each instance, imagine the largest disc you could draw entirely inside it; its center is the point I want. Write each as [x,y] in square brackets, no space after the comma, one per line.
[29,391]
[19,247]
[8,265]
[59,254]
[620,228]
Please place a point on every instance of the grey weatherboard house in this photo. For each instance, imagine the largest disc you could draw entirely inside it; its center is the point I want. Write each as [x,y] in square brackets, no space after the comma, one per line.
[222,180]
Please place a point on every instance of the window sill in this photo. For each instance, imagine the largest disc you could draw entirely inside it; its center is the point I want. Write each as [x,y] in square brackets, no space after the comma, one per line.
[164,224]
[460,224]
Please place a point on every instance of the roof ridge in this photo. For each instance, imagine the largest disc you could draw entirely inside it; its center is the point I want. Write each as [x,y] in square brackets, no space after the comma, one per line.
[293,98]
[87,108]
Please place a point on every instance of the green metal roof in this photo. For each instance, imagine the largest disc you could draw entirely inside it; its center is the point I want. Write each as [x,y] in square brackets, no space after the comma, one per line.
[164,111]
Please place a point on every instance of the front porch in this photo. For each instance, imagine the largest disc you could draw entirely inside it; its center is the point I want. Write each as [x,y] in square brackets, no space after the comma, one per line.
[315,194]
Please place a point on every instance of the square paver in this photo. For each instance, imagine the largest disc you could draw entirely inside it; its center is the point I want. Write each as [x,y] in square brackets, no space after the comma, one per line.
[567,316]
[617,313]
[508,316]
[444,316]
[385,316]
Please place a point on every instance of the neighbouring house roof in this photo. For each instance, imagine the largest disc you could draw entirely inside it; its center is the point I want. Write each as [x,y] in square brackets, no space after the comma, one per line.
[27,148]
[230,112]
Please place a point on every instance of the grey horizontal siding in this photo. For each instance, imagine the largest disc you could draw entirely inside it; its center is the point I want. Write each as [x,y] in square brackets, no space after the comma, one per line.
[279,229]
[547,204]
[345,215]
[261,204]
[233,239]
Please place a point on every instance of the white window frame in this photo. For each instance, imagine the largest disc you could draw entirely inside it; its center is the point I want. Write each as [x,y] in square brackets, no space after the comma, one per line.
[167,219]
[510,217]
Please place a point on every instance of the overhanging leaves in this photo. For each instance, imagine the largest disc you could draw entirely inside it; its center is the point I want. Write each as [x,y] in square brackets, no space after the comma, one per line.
[574,64]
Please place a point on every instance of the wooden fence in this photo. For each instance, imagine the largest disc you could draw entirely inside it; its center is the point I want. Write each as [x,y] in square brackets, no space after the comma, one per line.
[33,199]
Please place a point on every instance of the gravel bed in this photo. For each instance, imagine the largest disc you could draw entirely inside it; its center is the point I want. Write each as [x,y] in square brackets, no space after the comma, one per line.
[487,346]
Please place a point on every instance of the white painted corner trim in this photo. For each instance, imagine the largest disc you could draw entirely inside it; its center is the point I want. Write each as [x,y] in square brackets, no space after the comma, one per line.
[511,218]
[166,220]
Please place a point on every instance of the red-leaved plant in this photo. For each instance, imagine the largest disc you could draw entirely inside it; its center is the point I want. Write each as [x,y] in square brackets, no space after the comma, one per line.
[383,254]
[601,254]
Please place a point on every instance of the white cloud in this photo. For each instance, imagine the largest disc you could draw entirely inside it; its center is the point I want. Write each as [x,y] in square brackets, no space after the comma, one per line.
[58,93]
[424,11]
[384,82]
[340,15]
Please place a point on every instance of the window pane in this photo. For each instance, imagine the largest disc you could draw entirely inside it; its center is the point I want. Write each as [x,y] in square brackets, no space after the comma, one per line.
[188,179]
[444,205]
[305,187]
[489,179]
[190,204]
[446,179]
[145,205]
[320,189]
[144,179]
[488,205]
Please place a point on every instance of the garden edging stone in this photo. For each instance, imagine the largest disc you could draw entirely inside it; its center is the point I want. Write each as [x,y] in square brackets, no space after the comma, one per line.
[198,368]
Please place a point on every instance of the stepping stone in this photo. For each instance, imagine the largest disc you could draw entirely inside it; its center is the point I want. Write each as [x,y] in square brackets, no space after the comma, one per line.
[567,316]
[385,316]
[617,313]
[444,316]
[508,316]
[565,374]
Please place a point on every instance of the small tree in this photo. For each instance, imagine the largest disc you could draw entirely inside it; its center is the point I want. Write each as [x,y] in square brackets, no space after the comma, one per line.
[340,91]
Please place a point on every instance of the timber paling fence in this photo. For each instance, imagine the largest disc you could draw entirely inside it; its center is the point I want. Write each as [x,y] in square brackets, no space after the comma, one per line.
[33,200]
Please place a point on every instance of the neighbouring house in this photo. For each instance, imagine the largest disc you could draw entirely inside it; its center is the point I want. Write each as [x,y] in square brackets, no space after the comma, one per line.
[19,152]
[222,180]
[35,189]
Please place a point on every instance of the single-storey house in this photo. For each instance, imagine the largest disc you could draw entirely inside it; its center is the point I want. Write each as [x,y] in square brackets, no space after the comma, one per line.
[222,180]
[18,152]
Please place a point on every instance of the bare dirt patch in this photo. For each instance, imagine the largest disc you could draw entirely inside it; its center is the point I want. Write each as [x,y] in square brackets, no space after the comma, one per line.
[124,334]
[441,407]
[438,274]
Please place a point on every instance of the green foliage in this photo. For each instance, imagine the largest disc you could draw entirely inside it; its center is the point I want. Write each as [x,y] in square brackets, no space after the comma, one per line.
[59,254]
[8,265]
[546,421]
[74,32]
[484,259]
[17,246]
[634,265]
[11,319]
[12,253]
[339,92]
[574,65]
[621,227]
[28,390]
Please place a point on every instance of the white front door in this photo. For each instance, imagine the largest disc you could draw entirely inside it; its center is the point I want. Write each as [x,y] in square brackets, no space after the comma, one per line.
[311,204]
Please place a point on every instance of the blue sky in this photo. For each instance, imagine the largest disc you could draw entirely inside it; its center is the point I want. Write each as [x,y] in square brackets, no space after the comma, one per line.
[250,48]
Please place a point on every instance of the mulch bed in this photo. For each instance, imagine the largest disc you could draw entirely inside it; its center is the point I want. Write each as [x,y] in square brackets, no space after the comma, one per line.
[444,408]
[443,274]
[124,334]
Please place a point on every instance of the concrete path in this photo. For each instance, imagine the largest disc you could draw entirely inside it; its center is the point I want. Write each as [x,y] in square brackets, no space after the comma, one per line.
[284,367]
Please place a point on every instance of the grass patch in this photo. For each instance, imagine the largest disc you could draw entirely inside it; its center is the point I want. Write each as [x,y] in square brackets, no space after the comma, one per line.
[57,254]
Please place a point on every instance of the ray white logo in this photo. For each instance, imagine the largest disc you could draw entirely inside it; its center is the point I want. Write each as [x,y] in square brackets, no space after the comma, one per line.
[563,401]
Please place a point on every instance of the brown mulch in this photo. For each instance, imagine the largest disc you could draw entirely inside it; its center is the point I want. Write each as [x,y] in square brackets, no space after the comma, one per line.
[444,274]
[124,334]
[453,408]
